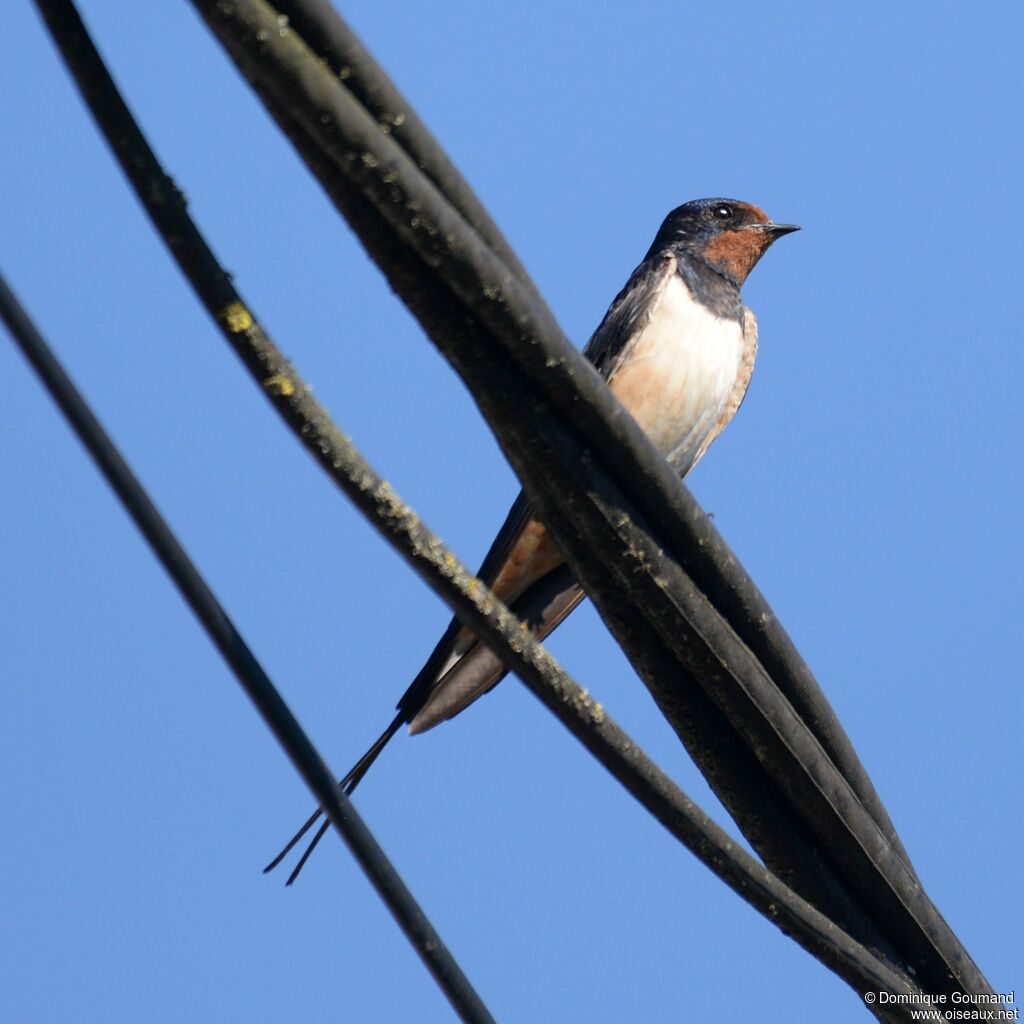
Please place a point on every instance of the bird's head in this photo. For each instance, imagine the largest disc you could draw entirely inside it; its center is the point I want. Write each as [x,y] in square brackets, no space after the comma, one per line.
[728,235]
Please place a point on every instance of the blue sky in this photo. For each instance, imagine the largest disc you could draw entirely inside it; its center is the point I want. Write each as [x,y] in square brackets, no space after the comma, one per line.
[870,485]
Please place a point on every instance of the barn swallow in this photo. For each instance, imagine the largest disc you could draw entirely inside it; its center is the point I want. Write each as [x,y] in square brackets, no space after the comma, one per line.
[677,348]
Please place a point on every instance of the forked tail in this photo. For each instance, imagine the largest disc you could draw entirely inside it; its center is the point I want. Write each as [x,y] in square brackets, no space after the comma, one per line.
[347,785]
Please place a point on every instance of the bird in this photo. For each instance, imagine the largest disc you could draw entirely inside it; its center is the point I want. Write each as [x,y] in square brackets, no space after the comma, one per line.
[677,348]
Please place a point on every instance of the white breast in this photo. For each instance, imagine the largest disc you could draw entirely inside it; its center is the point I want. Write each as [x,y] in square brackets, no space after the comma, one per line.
[679,373]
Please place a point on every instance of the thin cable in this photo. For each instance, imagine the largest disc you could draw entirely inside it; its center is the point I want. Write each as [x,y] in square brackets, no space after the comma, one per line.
[247,670]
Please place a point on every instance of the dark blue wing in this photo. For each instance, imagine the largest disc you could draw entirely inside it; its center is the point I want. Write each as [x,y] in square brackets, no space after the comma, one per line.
[628,314]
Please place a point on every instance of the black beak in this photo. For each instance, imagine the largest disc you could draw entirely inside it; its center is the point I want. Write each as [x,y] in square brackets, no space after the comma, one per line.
[778,230]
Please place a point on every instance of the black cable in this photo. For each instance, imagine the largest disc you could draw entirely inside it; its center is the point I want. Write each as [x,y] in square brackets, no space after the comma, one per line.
[857,843]
[247,670]
[863,970]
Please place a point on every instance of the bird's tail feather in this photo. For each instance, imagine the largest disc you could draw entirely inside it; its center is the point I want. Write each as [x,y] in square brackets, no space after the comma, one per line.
[479,669]
[348,785]
[430,700]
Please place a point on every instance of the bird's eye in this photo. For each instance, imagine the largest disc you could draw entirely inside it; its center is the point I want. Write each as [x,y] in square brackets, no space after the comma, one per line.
[723,212]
